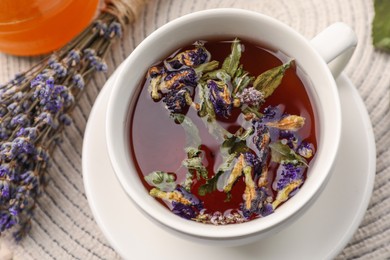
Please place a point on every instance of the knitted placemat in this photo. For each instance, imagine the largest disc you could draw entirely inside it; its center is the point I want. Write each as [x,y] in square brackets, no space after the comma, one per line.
[63,226]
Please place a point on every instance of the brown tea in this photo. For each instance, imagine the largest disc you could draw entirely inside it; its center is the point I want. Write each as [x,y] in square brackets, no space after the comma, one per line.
[223,131]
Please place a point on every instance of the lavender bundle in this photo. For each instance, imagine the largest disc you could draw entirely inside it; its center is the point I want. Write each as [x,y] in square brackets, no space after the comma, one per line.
[35,107]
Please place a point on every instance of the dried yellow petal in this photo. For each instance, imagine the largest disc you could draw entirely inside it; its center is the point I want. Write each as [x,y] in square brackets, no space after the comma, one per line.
[291,123]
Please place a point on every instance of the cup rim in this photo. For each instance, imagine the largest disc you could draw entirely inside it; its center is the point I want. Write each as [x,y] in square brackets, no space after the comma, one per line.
[262,225]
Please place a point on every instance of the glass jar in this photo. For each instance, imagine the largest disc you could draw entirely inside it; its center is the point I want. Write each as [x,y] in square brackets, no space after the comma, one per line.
[32,27]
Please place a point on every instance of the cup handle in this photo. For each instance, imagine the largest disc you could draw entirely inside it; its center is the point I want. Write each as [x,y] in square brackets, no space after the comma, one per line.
[336,45]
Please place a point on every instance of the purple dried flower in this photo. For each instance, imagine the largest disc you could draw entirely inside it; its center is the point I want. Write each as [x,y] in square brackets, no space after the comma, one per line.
[180,79]
[183,211]
[187,211]
[271,112]
[306,149]
[221,98]
[287,173]
[196,57]
[266,210]
[256,204]
[188,58]
[261,139]
[289,138]
[252,160]
[176,100]
[251,97]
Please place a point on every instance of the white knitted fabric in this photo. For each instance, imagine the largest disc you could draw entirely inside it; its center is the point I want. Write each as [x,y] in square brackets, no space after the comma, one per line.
[63,226]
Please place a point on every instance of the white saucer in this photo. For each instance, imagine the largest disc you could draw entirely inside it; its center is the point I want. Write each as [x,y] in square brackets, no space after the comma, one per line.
[321,233]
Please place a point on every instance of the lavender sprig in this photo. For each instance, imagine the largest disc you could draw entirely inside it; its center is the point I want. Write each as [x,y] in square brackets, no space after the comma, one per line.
[34,108]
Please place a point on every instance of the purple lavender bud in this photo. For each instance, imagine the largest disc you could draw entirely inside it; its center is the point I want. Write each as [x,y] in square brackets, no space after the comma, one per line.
[5,190]
[3,111]
[6,220]
[42,155]
[89,53]
[22,145]
[18,79]
[114,29]
[4,170]
[251,97]
[98,64]
[39,80]
[53,59]
[59,69]
[73,58]
[29,178]
[46,118]
[100,27]
[19,120]
[65,119]
[78,81]
[29,132]
[18,96]
[12,107]
[175,100]
[221,99]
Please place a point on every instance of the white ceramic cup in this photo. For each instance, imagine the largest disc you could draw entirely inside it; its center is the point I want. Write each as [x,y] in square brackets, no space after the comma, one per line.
[334,46]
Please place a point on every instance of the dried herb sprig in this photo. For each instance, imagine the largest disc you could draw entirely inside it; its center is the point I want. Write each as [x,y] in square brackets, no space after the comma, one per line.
[35,106]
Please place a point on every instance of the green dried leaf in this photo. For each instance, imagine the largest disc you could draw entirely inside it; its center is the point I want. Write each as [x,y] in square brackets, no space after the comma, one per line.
[268,81]
[162,180]
[206,109]
[211,184]
[283,153]
[232,62]
[206,67]
[196,164]
[381,25]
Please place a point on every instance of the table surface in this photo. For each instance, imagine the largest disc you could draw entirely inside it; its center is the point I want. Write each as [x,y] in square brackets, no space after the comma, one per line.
[63,226]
